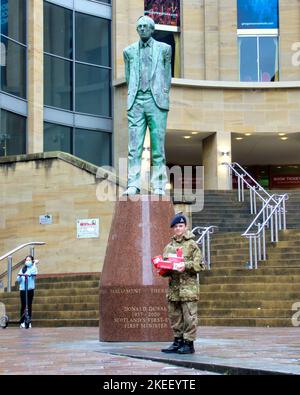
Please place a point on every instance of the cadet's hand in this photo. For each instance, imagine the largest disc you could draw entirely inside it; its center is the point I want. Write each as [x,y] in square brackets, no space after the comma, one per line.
[179,267]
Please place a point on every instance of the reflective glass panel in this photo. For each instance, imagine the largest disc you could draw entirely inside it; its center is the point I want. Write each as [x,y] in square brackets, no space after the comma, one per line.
[13,19]
[248,58]
[92,90]
[268,59]
[92,40]
[93,146]
[58,77]
[58,30]
[12,134]
[13,68]
[57,138]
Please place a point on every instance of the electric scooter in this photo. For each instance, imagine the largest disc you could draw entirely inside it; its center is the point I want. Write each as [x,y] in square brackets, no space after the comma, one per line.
[26,316]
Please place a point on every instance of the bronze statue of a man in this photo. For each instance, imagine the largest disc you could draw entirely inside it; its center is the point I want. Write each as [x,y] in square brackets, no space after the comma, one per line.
[148,75]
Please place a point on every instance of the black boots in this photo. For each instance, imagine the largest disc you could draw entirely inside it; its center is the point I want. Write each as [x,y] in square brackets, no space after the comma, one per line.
[186,348]
[178,342]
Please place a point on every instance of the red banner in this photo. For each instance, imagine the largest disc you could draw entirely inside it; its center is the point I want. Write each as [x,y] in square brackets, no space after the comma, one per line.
[285,181]
[163,12]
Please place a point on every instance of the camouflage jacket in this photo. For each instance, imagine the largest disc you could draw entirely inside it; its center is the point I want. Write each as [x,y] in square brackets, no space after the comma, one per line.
[184,286]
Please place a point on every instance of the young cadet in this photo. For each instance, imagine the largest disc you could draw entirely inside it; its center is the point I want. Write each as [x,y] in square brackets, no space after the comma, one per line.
[183,291]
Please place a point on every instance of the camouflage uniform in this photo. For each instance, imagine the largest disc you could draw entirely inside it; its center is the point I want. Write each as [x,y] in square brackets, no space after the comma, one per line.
[183,292]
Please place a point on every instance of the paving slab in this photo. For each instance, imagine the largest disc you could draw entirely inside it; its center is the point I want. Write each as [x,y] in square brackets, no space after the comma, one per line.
[219,350]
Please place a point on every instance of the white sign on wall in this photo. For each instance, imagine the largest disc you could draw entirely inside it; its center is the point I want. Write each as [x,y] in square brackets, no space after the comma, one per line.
[46,219]
[88,228]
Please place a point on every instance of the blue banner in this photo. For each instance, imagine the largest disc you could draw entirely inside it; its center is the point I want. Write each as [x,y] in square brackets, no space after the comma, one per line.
[258,14]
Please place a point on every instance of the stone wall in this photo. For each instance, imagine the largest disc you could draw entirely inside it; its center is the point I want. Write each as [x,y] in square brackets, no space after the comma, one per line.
[64,187]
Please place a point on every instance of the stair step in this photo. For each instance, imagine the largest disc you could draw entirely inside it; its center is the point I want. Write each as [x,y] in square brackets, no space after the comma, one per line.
[245,287]
[247,313]
[245,322]
[57,315]
[252,296]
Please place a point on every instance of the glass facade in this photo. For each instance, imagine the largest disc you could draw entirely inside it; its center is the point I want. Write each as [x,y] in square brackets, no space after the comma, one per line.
[12,134]
[77,61]
[77,79]
[166,15]
[258,30]
[93,146]
[258,58]
[13,47]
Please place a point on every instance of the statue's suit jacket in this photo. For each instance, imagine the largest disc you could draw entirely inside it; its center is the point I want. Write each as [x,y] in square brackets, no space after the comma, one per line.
[161,73]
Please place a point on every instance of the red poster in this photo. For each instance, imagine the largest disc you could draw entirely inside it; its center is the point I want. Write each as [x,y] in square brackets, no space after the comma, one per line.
[163,12]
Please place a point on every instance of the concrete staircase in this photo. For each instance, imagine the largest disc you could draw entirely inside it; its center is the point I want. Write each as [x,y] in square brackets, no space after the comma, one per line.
[233,295]
[60,301]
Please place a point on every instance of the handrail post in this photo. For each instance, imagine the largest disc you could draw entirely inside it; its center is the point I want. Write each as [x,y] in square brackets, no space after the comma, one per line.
[284,214]
[276,226]
[279,217]
[9,273]
[239,189]
[272,227]
[250,252]
[254,202]
[243,188]
[32,251]
[203,249]
[208,250]
[259,242]
[264,244]
[255,251]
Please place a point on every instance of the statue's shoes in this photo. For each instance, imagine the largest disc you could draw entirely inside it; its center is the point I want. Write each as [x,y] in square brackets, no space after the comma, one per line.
[130,191]
[159,191]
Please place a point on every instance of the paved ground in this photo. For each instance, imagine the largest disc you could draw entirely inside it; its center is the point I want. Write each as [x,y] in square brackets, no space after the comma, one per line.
[76,351]
[70,351]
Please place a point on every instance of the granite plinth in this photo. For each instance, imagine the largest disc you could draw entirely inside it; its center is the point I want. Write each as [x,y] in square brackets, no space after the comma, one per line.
[133,304]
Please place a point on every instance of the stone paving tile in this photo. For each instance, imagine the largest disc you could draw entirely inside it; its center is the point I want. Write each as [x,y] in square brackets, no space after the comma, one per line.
[70,351]
[75,351]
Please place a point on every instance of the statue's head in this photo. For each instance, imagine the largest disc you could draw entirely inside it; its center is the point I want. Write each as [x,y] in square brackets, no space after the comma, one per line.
[145,27]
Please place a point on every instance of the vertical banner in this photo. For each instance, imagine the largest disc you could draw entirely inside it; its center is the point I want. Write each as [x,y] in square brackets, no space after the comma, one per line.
[258,14]
[164,12]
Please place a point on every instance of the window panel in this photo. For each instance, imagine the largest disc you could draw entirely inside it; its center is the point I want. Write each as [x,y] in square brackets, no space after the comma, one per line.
[93,146]
[58,77]
[163,12]
[13,72]
[92,40]
[248,58]
[268,60]
[13,19]
[58,30]
[57,138]
[12,134]
[93,90]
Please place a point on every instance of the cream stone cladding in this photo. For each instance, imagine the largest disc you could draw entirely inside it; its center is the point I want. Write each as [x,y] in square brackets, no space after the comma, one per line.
[233,107]
[35,139]
[60,185]
[289,21]
[209,45]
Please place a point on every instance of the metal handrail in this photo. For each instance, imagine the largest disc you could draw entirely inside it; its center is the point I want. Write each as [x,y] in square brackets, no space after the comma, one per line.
[205,240]
[254,190]
[9,257]
[274,218]
[10,253]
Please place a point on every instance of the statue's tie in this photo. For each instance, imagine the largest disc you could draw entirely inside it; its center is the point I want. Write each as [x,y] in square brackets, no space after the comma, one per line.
[145,67]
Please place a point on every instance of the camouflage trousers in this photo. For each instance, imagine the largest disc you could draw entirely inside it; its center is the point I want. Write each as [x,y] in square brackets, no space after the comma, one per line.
[183,318]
